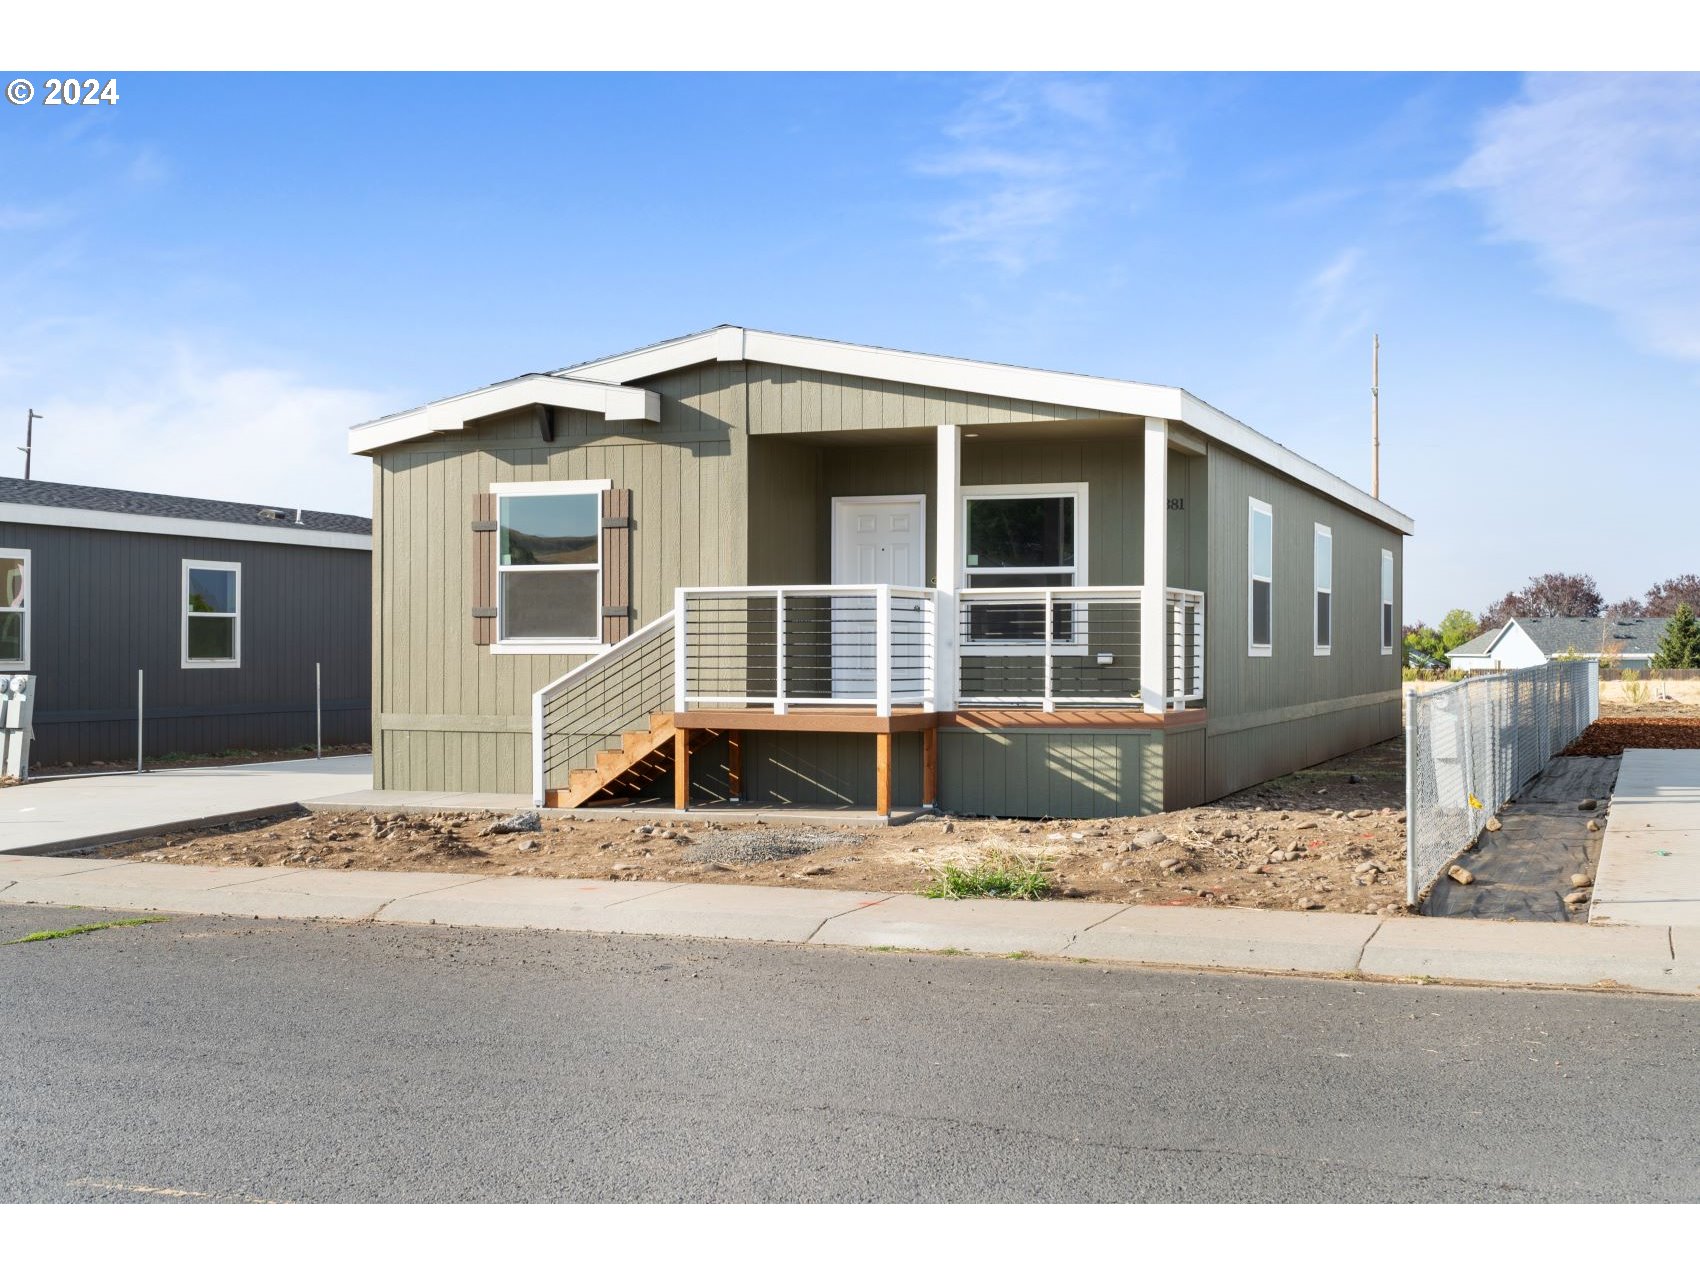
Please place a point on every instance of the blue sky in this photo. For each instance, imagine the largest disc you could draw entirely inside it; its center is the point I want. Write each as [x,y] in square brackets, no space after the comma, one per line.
[207,283]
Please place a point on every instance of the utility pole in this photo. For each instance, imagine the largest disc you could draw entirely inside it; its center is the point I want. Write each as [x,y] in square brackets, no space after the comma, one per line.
[1375,418]
[29,439]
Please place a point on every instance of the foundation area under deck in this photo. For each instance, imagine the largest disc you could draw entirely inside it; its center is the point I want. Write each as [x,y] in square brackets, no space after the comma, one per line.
[986,723]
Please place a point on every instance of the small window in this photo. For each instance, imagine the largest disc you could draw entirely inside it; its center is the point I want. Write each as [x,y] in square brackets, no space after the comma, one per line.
[1387,602]
[212,614]
[549,560]
[1324,566]
[14,609]
[1023,539]
[1261,586]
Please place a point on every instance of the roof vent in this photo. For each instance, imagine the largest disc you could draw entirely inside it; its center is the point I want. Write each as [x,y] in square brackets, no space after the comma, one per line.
[273,515]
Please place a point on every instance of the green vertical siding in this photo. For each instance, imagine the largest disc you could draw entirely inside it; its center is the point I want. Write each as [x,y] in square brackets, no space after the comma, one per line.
[688,478]
[1271,715]
[1034,774]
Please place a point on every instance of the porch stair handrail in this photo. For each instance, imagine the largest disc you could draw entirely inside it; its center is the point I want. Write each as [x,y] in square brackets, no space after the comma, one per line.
[605,686]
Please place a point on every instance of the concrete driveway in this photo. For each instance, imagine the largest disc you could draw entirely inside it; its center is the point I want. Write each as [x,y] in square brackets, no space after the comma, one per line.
[93,810]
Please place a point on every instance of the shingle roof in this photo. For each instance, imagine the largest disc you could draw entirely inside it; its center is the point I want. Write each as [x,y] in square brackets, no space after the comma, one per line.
[1556,634]
[16,491]
[1479,644]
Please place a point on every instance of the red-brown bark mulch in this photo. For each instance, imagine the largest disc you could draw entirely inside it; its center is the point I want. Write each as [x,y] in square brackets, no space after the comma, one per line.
[1611,735]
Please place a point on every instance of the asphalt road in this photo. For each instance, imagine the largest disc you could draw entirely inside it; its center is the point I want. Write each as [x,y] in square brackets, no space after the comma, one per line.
[226,1060]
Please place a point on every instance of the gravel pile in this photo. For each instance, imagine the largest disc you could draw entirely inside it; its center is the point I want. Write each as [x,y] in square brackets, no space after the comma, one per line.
[763,845]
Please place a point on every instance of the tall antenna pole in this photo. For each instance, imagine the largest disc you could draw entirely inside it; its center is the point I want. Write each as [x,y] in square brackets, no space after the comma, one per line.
[1375,418]
[29,439]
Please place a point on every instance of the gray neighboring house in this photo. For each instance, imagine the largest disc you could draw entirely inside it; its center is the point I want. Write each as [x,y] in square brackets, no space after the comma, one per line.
[1527,641]
[224,607]
[791,571]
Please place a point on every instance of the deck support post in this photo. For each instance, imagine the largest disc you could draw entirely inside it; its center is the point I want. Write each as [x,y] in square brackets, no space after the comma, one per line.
[735,765]
[682,768]
[947,560]
[882,773]
[930,768]
[1153,605]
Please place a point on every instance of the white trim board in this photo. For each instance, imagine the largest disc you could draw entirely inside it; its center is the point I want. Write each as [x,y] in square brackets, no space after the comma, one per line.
[1070,389]
[612,402]
[161,525]
[728,344]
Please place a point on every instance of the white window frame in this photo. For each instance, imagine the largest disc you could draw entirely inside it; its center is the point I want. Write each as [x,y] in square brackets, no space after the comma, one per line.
[1386,619]
[192,564]
[546,646]
[23,609]
[1318,586]
[1256,507]
[1078,611]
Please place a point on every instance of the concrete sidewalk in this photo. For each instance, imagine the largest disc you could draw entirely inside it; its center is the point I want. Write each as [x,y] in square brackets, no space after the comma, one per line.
[1650,861]
[1643,958]
[47,815]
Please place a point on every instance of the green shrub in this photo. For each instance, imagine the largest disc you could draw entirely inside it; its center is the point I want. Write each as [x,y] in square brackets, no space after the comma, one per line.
[996,877]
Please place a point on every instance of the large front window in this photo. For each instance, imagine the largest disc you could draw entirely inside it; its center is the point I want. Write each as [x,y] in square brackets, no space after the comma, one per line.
[550,562]
[14,609]
[212,614]
[1023,538]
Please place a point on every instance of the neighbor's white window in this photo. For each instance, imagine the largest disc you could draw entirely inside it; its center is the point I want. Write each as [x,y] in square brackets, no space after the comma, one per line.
[14,609]
[1260,585]
[1387,602]
[1023,537]
[1324,555]
[549,562]
[212,614]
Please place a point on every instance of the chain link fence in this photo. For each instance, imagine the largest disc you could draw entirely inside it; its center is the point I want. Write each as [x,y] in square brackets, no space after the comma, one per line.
[1471,747]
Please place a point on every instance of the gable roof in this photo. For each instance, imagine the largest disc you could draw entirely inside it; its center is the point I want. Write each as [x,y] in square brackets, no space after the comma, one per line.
[589,385]
[1586,635]
[1557,634]
[1478,645]
[111,508]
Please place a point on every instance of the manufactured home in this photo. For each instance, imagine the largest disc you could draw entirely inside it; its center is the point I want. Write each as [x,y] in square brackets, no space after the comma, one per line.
[748,567]
[221,625]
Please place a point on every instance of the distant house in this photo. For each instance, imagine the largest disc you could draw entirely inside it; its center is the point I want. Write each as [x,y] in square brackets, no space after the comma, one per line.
[802,572]
[1527,641]
[224,608]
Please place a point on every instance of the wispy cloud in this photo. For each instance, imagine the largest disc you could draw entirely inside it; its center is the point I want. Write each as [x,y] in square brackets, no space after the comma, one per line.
[1600,175]
[166,416]
[1334,302]
[1026,156]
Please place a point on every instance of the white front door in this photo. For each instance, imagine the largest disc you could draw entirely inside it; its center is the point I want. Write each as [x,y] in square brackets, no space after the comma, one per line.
[879,540]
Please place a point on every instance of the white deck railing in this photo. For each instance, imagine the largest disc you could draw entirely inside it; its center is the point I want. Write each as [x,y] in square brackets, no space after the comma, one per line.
[796,646]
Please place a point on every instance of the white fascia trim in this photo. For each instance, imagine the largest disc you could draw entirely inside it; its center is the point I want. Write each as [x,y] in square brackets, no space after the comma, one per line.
[195,528]
[1095,393]
[612,402]
[1225,429]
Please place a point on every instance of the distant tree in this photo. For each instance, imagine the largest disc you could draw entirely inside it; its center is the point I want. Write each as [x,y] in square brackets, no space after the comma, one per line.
[1559,594]
[1662,598]
[1496,615]
[1420,639]
[1628,609]
[1680,646]
[1457,627]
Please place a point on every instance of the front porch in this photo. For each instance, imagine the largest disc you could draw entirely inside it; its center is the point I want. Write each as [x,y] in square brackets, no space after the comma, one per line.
[999,609]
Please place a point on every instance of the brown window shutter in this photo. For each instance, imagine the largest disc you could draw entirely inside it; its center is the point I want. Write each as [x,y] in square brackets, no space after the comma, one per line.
[483,568]
[616,564]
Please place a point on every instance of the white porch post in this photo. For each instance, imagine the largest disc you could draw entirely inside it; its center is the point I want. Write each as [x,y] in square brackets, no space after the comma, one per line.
[947,557]
[1153,626]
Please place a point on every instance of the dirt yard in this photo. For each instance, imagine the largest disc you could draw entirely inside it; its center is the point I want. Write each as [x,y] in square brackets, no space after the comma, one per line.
[1609,736]
[1329,838]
